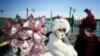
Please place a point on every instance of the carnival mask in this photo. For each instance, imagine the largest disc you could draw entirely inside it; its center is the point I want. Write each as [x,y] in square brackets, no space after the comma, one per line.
[61,33]
[25,41]
[89,32]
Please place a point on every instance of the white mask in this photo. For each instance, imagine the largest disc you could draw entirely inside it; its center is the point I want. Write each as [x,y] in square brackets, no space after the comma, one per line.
[60,33]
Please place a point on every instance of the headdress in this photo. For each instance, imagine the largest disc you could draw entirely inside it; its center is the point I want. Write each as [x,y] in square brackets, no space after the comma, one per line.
[89,21]
[61,23]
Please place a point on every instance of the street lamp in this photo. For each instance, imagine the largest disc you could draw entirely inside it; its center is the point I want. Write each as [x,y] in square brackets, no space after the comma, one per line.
[71,17]
[33,10]
[1,11]
[27,13]
[70,12]
[27,10]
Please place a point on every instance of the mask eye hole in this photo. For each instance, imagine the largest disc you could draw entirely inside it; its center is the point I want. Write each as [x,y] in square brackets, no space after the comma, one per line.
[29,38]
[64,30]
[60,29]
[89,30]
[20,39]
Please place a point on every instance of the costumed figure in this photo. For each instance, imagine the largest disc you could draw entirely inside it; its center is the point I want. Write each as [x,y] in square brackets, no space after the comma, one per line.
[87,43]
[28,39]
[55,44]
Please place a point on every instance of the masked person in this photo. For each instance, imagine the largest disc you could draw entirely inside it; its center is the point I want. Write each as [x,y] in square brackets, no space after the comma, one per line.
[87,43]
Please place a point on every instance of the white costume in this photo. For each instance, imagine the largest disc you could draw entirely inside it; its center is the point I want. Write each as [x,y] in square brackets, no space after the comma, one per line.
[55,44]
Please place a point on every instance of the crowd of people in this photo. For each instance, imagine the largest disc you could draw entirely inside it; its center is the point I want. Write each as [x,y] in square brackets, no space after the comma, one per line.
[27,38]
